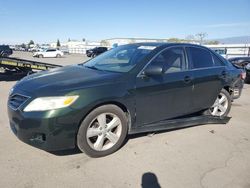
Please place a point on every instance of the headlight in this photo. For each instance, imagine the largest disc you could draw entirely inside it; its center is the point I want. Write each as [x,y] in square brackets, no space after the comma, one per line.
[50,103]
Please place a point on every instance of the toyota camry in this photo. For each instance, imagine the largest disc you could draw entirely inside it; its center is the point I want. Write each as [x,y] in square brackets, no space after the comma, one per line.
[130,89]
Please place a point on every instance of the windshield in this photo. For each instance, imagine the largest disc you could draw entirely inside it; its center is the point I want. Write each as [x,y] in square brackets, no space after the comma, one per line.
[120,59]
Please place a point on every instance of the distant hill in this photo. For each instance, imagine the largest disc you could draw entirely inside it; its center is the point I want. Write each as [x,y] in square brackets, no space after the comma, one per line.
[235,40]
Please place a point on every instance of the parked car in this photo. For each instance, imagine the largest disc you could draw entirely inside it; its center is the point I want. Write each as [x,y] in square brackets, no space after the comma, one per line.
[243,63]
[5,51]
[34,49]
[48,53]
[64,50]
[130,89]
[96,51]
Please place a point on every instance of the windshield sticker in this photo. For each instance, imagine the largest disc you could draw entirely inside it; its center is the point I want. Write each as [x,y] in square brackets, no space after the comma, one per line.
[147,47]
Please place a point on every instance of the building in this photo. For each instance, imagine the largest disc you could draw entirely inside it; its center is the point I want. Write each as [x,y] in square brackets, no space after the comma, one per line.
[120,41]
[231,50]
[76,46]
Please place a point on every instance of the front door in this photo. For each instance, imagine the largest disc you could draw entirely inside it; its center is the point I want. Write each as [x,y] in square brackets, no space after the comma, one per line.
[168,95]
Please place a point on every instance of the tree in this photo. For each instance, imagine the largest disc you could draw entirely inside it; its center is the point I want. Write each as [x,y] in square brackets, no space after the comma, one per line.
[23,45]
[31,43]
[174,40]
[69,40]
[104,43]
[201,37]
[58,43]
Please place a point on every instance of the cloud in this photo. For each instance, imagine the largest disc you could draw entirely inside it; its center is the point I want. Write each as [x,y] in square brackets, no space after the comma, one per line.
[225,25]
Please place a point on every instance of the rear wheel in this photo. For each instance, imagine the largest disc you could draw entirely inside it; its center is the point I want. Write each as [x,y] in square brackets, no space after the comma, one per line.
[247,80]
[221,106]
[103,131]
[40,56]
[58,55]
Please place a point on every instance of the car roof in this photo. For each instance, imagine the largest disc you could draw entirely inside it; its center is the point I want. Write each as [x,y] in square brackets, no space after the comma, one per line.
[165,44]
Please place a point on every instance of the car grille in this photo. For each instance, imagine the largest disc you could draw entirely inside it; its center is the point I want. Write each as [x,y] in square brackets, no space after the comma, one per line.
[16,100]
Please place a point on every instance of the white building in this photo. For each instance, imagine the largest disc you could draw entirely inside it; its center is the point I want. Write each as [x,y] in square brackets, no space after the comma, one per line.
[75,46]
[231,50]
[122,41]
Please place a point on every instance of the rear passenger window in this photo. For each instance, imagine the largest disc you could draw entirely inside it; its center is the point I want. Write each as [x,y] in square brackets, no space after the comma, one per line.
[217,61]
[200,58]
[172,60]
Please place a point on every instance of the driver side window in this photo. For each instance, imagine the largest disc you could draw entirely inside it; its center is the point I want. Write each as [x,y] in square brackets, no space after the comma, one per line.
[172,60]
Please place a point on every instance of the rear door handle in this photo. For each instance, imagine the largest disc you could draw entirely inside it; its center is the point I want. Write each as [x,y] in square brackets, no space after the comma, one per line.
[187,79]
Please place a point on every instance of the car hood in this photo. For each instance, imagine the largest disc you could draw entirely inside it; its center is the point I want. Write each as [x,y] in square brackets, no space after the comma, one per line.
[67,78]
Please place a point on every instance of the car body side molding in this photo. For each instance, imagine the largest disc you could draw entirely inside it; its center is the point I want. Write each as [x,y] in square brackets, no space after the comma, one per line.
[180,123]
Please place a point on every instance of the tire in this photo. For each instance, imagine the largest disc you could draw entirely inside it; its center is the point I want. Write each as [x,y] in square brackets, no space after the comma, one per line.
[94,55]
[101,131]
[217,108]
[58,55]
[40,56]
[247,80]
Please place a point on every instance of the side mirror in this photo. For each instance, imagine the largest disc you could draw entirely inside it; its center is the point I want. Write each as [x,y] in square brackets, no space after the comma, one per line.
[153,70]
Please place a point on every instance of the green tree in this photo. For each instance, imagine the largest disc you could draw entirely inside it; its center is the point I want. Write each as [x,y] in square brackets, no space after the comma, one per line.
[31,43]
[58,43]
[23,45]
[173,40]
[104,43]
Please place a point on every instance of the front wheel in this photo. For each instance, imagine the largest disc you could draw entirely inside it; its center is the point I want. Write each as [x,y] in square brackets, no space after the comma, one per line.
[221,106]
[103,131]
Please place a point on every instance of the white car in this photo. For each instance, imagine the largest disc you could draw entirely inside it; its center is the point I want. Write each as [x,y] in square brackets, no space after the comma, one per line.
[48,53]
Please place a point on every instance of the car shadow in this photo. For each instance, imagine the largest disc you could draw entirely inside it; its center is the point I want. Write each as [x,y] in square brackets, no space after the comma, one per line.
[66,152]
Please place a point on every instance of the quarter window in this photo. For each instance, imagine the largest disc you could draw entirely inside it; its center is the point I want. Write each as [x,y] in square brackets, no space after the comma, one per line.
[172,60]
[51,50]
[200,58]
[217,61]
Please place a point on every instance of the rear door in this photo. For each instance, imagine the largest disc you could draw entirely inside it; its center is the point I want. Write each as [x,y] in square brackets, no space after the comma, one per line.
[209,77]
[168,95]
[51,53]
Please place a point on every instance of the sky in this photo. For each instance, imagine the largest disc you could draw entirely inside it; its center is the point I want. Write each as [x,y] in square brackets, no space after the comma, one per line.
[48,20]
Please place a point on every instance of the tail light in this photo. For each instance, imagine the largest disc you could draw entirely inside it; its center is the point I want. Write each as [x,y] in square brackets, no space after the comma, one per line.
[243,75]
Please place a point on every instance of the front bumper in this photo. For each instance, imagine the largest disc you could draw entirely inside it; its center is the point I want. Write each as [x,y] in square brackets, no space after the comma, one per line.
[50,131]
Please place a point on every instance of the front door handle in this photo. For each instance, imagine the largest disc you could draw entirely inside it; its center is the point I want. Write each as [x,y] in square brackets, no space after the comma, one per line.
[187,79]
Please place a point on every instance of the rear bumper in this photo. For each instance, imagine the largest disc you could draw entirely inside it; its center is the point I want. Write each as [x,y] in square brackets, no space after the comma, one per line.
[50,133]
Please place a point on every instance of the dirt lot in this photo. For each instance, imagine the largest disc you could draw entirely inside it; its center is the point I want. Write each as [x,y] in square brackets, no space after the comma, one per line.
[65,60]
[203,156]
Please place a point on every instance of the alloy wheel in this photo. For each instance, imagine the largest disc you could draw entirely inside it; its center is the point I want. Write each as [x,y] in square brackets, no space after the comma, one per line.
[220,106]
[104,131]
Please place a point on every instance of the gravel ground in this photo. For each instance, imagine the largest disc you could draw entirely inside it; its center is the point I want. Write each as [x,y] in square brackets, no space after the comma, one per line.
[202,156]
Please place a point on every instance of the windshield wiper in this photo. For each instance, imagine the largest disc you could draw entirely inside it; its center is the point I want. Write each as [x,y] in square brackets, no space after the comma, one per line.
[92,67]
